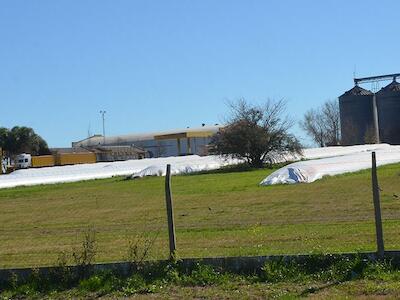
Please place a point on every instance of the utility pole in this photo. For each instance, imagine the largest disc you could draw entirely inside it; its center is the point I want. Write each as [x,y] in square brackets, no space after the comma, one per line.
[103,112]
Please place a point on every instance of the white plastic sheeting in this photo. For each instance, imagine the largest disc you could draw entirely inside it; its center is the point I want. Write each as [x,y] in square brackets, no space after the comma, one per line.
[342,160]
[326,161]
[140,168]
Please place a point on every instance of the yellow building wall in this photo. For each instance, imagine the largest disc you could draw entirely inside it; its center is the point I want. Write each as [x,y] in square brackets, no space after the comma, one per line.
[75,158]
[43,161]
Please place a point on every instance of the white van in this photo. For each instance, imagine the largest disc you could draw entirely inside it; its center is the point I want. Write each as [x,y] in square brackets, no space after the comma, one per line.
[23,161]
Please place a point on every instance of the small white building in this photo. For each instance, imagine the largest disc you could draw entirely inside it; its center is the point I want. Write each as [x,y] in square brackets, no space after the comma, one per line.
[159,144]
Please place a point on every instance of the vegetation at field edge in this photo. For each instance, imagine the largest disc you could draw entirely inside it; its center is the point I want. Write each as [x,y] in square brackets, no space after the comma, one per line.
[319,276]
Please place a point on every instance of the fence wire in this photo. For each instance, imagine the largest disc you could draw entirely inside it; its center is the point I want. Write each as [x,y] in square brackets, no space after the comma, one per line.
[216,214]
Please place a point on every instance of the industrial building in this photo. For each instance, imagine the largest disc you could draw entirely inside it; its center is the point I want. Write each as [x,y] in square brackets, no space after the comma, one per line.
[158,144]
[367,117]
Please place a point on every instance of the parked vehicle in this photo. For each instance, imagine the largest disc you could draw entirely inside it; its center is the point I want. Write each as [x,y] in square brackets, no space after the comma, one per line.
[23,161]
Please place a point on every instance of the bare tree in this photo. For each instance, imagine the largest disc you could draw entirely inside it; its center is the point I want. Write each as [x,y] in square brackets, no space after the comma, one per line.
[256,133]
[323,124]
[313,125]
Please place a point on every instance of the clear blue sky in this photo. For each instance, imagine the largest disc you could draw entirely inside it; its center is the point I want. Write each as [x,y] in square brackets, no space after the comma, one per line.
[155,65]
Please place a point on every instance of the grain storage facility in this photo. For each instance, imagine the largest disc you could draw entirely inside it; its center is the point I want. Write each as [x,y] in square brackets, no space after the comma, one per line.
[388,102]
[368,117]
[158,144]
[356,115]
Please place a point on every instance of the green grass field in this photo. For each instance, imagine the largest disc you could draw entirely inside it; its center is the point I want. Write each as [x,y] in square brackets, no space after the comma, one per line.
[224,214]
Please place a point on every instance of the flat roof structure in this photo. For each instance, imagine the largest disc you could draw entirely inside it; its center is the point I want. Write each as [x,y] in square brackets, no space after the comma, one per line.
[199,132]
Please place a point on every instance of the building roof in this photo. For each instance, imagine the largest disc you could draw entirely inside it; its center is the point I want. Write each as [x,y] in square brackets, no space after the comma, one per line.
[68,150]
[203,131]
[394,86]
[357,91]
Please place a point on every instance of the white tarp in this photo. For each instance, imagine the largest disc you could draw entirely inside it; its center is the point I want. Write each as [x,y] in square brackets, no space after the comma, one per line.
[343,160]
[140,168]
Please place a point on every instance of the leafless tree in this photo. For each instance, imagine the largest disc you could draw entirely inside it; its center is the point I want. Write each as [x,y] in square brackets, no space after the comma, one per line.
[256,133]
[323,124]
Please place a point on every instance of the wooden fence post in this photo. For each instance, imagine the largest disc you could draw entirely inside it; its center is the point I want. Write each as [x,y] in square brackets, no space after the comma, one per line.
[377,207]
[170,213]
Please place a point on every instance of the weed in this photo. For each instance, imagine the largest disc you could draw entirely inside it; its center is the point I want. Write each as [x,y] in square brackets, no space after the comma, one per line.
[62,274]
[276,271]
[84,257]
[134,284]
[103,282]
[203,275]
[139,249]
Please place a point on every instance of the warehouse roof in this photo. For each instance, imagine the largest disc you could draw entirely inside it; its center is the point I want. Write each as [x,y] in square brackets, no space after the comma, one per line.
[203,131]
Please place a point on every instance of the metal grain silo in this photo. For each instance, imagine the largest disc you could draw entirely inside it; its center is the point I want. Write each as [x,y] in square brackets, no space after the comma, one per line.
[388,103]
[356,116]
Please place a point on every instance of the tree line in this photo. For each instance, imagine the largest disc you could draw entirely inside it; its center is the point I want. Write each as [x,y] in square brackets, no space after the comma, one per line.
[21,139]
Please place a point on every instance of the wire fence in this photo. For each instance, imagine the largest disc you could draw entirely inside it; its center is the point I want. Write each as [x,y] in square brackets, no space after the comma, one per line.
[215,215]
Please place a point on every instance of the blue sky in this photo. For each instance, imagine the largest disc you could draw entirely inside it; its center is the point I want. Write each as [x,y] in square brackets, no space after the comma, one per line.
[155,65]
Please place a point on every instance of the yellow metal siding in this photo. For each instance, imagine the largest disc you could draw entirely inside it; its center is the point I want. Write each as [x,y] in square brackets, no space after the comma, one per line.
[75,158]
[170,136]
[182,135]
[43,161]
[199,134]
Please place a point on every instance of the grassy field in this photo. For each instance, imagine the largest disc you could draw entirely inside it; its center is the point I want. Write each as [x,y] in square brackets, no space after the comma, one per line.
[215,214]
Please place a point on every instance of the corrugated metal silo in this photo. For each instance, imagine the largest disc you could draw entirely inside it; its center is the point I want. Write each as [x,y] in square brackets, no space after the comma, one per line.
[388,103]
[356,115]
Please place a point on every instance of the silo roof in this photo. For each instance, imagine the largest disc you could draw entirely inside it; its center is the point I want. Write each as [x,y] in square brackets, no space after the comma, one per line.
[357,91]
[394,86]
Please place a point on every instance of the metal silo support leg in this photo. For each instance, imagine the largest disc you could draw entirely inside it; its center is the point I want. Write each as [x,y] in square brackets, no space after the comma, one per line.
[178,142]
[189,147]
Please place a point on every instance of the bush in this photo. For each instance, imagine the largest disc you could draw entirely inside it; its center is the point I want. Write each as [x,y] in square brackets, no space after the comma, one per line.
[103,282]
[134,284]
[203,275]
[258,134]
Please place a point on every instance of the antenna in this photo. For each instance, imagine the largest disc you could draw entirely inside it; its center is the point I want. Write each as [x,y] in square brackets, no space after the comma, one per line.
[89,134]
[102,113]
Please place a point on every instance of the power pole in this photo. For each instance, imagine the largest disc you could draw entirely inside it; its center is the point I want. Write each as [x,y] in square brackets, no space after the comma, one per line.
[103,112]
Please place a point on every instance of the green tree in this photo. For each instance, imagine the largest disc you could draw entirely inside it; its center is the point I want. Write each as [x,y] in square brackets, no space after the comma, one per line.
[21,139]
[4,132]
